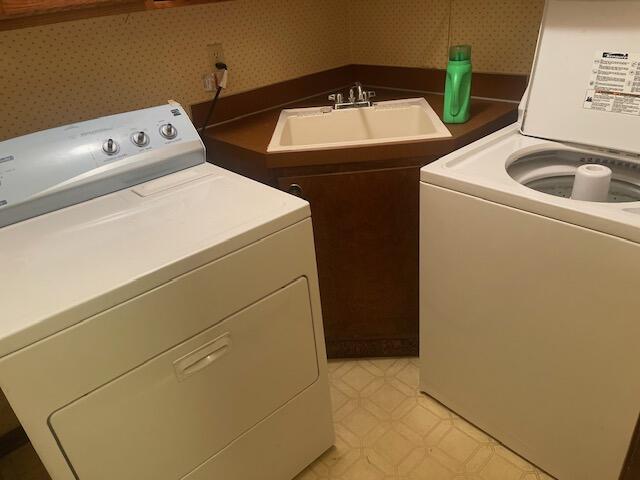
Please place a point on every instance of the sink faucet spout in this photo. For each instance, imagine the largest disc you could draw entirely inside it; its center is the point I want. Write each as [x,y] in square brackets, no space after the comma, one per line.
[358,97]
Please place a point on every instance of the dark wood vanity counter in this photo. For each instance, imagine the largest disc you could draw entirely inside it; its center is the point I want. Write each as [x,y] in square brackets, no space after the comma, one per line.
[365,208]
[252,134]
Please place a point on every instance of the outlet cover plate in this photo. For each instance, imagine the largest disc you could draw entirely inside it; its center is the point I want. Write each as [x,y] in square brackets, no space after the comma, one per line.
[216,54]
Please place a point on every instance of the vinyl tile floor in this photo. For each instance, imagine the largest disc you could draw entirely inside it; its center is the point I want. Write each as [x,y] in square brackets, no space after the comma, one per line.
[387,430]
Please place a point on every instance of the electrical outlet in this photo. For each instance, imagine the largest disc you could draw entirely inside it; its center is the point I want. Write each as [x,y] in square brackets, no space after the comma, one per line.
[216,54]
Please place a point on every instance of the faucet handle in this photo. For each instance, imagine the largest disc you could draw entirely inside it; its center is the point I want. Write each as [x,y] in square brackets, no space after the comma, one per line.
[352,96]
[367,96]
[336,97]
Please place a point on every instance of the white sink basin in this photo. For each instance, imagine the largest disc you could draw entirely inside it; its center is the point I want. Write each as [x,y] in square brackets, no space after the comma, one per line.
[322,128]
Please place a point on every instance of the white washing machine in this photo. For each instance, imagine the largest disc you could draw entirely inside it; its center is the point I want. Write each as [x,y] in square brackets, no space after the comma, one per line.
[170,329]
[530,298]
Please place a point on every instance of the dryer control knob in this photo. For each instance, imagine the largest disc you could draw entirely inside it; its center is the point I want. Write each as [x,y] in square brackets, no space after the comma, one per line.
[110,147]
[168,131]
[140,139]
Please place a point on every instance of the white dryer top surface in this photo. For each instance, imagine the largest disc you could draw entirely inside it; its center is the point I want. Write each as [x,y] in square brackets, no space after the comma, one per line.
[480,170]
[62,267]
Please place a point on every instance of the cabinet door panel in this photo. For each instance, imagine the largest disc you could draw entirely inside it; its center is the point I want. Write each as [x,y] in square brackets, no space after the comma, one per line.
[366,234]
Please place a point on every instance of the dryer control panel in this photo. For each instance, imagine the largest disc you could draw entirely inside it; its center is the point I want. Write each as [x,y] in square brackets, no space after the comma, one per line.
[56,168]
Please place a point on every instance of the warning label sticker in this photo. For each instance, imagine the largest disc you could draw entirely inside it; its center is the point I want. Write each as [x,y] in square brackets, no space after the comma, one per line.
[614,85]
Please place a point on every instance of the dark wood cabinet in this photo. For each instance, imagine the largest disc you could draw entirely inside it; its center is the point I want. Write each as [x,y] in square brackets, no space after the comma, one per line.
[366,233]
[365,211]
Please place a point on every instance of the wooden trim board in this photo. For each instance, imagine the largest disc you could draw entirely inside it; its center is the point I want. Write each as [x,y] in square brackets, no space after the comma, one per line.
[8,21]
[490,85]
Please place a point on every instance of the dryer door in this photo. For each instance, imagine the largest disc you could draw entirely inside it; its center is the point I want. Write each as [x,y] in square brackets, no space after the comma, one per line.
[169,415]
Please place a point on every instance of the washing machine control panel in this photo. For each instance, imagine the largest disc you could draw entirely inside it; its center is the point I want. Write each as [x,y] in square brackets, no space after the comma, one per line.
[47,170]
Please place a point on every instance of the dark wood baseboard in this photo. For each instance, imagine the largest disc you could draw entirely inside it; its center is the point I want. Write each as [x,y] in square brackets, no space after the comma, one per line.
[490,85]
[12,440]
[382,347]
[631,469]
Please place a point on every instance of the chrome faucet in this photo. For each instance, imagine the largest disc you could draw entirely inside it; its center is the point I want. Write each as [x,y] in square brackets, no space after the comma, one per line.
[360,93]
[358,97]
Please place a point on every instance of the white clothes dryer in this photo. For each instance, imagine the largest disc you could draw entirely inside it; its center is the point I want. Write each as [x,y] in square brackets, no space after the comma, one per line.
[164,324]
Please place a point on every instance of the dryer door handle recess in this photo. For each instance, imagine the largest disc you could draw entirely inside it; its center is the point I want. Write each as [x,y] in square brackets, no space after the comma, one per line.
[202,357]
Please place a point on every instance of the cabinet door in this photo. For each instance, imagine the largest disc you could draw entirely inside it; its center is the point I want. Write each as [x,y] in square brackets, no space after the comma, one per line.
[366,234]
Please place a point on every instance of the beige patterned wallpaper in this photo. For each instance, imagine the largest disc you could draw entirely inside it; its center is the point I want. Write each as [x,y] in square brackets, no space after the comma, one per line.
[68,72]
[72,71]
[416,33]
[503,33]
[410,33]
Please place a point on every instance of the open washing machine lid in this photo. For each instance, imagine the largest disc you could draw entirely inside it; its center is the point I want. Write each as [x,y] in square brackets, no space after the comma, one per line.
[585,83]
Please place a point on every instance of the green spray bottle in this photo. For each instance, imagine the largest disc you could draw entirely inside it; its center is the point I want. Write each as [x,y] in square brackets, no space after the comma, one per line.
[457,91]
